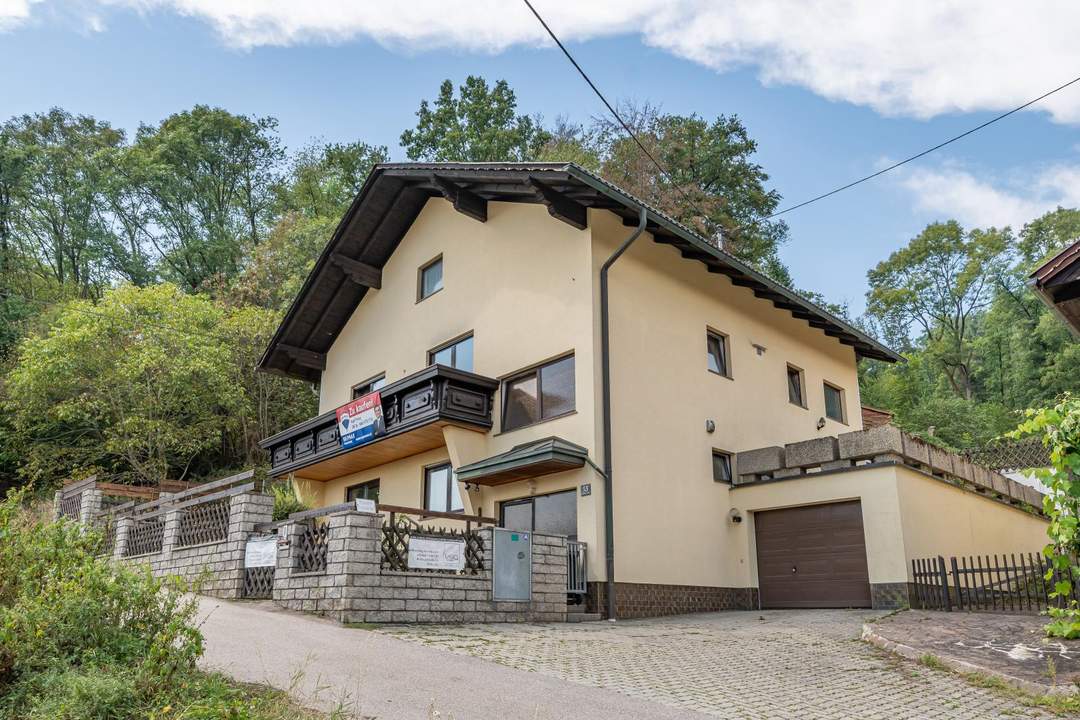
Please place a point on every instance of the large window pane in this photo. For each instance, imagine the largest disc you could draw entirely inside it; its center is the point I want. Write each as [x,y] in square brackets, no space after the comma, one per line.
[557,386]
[517,515]
[794,378]
[431,279]
[459,355]
[557,514]
[437,485]
[365,491]
[455,494]
[522,405]
[716,347]
[443,357]
[834,404]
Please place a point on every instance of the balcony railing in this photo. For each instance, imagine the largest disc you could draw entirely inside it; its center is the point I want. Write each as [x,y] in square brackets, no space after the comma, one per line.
[424,401]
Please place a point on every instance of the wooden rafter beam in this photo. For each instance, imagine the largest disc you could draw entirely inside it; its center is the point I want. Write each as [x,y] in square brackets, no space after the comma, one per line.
[560,206]
[359,272]
[304,357]
[464,200]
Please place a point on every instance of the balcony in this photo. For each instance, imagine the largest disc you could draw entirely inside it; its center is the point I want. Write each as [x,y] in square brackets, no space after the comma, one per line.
[415,411]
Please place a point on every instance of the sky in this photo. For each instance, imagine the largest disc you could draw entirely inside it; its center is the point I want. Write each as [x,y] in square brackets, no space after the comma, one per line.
[831,90]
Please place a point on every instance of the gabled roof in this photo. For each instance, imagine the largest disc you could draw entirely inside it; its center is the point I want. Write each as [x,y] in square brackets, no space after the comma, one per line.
[1057,283]
[394,194]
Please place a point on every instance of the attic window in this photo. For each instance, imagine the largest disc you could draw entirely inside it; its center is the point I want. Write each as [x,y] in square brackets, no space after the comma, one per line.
[430,279]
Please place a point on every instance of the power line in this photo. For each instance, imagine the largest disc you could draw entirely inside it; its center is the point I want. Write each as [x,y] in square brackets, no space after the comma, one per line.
[804,203]
[951,140]
[611,109]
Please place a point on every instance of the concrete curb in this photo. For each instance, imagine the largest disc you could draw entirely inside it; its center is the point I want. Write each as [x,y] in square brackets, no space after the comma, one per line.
[960,666]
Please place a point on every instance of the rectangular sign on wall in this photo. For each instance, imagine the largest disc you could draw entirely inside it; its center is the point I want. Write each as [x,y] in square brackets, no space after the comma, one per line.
[360,421]
[261,551]
[436,553]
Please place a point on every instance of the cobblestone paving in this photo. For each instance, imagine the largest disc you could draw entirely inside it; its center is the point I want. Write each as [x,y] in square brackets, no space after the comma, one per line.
[802,665]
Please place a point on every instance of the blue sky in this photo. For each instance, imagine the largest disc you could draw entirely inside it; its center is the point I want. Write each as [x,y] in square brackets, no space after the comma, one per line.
[823,110]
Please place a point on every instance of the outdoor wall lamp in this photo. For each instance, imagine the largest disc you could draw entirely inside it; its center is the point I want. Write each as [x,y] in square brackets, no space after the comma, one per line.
[735,516]
[820,423]
[710,426]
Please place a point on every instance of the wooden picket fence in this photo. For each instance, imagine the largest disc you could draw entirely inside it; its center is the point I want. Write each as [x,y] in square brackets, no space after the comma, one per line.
[988,583]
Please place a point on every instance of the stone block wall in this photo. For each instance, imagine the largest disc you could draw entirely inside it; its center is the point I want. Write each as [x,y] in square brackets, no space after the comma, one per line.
[217,566]
[882,444]
[355,588]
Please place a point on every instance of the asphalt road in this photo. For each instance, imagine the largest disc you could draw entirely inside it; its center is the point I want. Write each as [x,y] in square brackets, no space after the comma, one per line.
[324,666]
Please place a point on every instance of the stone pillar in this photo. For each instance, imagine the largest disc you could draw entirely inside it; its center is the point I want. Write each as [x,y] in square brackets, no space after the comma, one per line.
[548,602]
[90,507]
[246,510]
[353,559]
[123,530]
[56,504]
[171,533]
[288,542]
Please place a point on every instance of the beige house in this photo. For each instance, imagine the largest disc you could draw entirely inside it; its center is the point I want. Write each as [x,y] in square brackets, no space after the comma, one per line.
[552,353]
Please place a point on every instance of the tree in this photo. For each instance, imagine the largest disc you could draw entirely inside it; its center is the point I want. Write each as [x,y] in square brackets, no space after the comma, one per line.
[479,125]
[56,210]
[938,284]
[713,186]
[206,176]
[146,385]
[322,180]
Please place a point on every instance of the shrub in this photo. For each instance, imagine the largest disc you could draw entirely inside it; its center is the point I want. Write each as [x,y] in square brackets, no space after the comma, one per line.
[286,501]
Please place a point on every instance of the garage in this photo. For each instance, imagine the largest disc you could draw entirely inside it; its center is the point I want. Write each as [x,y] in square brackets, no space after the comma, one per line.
[812,556]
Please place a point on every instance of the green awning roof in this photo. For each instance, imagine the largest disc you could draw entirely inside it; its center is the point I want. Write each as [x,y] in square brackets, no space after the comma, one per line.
[528,460]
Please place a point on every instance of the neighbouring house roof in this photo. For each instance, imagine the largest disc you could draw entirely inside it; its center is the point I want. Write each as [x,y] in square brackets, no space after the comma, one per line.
[540,457]
[873,417]
[1057,283]
[394,194]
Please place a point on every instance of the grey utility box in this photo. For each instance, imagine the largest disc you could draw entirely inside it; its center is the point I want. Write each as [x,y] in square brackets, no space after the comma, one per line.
[513,565]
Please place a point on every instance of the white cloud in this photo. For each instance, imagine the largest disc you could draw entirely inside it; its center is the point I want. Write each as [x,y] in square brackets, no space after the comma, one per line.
[896,56]
[954,193]
[13,12]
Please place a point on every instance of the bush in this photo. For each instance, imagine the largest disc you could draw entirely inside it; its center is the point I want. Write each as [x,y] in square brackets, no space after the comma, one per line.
[83,638]
[286,501]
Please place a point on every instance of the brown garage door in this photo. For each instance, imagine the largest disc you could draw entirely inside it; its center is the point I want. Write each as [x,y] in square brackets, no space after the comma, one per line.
[812,557]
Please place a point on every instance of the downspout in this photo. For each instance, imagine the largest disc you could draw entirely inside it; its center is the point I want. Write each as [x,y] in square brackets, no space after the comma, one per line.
[605,385]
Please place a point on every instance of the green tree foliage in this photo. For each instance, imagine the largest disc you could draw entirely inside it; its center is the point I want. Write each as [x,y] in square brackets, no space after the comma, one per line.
[980,347]
[713,185]
[1059,427]
[147,384]
[480,124]
[205,176]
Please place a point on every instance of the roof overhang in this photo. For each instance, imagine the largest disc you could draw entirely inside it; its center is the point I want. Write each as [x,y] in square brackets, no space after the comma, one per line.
[528,460]
[1057,283]
[394,194]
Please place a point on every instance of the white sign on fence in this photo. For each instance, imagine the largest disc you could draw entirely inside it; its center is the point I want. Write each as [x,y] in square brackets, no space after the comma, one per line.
[364,505]
[261,552]
[436,553]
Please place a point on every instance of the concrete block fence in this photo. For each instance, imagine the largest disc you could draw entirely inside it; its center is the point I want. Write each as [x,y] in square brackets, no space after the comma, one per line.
[355,588]
[218,565]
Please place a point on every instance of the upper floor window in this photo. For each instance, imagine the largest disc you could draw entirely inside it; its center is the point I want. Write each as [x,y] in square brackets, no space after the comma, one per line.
[441,492]
[430,281]
[369,386]
[795,386]
[456,354]
[721,466]
[541,393]
[834,403]
[365,491]
[716,351]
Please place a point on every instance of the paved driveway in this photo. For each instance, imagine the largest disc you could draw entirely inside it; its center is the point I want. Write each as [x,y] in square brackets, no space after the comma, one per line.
[775,664]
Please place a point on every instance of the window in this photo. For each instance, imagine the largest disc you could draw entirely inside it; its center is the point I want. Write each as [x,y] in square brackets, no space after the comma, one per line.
[456,354]
[430,281]
[716,349]
[364,491]
[721,466]
[441,492]
[795,386]
[834,403]
[369,386]
[555,513]
[539,394]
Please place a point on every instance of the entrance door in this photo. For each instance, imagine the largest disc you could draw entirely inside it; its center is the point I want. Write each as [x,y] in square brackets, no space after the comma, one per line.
[812,557]
[555,513]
